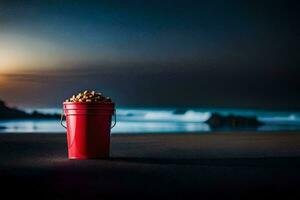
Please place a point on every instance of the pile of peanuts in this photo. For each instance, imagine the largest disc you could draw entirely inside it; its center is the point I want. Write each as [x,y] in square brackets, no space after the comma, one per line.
[88,96]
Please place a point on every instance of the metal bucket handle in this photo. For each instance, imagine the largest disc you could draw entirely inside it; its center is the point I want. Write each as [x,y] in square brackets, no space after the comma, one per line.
[62,118]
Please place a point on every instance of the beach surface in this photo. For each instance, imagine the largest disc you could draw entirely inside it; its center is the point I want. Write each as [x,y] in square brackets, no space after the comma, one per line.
[240,165]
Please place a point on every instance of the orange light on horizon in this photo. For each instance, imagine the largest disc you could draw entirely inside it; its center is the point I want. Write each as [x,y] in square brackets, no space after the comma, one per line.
[19,53]
[2,83]
[22,52]
[14,56]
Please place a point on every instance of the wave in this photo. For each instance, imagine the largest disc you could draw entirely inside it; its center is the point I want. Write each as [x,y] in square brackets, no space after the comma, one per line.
[289,119]
[191,115]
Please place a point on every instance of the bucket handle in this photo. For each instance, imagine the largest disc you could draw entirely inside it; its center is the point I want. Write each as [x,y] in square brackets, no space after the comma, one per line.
[62,118]
[115,120]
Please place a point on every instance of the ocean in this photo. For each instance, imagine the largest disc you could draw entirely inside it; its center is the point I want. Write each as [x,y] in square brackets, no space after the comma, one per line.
[160,120]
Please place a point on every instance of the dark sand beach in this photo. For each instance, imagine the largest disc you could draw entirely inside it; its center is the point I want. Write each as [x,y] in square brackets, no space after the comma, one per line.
[200,166]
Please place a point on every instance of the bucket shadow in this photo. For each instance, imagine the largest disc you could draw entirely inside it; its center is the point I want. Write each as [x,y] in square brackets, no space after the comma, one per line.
[211,161]
[184,161]
[162,161]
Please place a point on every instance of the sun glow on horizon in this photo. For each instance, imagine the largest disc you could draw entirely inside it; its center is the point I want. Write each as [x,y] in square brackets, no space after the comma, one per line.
[2,80]
[19,52]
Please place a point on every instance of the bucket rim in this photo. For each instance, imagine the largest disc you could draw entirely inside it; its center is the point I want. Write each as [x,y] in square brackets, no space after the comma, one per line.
[88,103]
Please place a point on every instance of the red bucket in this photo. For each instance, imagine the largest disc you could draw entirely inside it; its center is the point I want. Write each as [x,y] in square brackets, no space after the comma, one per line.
[88,129]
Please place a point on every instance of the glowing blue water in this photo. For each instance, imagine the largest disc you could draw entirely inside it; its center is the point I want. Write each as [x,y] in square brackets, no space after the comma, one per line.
[170,120]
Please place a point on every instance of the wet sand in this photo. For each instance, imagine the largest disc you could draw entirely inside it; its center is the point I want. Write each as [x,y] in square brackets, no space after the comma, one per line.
[241,165]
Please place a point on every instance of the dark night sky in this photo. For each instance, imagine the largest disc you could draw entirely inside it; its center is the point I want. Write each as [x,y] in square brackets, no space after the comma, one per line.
[151,53]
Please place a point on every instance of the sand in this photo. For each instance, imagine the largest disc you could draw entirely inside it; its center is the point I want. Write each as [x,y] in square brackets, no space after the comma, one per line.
[240,165]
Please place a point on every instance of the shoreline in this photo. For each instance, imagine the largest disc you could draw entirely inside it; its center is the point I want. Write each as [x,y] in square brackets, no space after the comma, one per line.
[221,132]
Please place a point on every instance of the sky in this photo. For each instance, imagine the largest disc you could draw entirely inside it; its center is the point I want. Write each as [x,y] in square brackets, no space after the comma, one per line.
[235,54]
